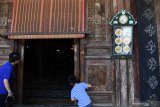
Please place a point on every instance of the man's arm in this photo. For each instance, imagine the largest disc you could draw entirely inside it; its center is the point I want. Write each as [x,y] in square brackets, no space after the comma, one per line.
[8,88]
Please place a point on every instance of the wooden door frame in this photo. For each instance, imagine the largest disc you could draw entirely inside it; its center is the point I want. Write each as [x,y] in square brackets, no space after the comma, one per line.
[77,58]
[20,47]
[19,89]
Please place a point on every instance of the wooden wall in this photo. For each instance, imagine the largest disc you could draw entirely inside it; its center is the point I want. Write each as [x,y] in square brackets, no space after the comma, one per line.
[115,81]
[98,66]
[114,77]
[6,46]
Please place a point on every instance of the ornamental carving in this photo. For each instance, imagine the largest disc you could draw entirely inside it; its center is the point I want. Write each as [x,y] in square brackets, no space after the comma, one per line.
[5,16]
[96,21]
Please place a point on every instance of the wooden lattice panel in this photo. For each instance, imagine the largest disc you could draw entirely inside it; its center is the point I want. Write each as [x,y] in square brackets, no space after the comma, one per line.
[96,21]
[5,16]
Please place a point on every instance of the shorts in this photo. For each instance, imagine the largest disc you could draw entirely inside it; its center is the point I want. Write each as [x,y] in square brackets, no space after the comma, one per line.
[89,105]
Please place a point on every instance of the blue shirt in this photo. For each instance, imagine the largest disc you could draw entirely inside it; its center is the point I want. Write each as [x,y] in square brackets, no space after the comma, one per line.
[79,93]
[6,72]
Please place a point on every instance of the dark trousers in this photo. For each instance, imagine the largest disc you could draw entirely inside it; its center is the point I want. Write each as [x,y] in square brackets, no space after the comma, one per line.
[89,105]
[2,100]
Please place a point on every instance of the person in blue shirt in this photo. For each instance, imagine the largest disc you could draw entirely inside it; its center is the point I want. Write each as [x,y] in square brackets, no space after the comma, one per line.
[79,93]
[7,76]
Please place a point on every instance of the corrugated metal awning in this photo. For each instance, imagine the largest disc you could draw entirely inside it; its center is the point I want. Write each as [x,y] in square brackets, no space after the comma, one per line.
[64,16]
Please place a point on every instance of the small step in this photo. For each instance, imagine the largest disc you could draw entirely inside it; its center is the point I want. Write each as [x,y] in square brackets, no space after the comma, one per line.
[47,94]
[46,101]
[44,105]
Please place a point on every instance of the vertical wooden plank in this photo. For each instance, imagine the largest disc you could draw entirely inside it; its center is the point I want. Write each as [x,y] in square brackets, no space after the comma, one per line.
[76,59]
[127,5]
[108,15]
[118,5]
[124,81]
[108,18]
[82,61]
[82,42]
[20,72]
[81,47]
[135,62]
[131,92]
[121,85]
[115,7]
[131,82]
[117,82]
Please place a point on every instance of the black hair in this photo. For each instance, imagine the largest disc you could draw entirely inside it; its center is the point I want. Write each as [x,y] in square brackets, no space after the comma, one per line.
[72,79]
[14,56]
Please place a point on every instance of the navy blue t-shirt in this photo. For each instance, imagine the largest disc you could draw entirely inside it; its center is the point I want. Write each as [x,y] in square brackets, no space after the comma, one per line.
[6,72]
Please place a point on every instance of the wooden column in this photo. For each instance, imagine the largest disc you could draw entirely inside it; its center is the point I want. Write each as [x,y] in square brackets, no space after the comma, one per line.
[123,67]
[20,73]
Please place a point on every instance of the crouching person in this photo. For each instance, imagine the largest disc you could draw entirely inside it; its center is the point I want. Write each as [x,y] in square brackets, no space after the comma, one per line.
[79,93]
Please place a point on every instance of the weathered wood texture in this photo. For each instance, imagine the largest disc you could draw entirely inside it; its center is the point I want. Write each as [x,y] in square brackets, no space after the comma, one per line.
[6,46]
[124,68]
[115,81]
[19,73]
[136,50]
[98,68]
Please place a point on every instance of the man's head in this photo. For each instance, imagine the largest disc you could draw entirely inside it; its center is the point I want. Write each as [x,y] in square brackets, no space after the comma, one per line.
[14,57]
[72,79]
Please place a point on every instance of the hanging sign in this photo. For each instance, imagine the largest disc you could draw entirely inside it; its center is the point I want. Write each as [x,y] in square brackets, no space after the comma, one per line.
[122,39]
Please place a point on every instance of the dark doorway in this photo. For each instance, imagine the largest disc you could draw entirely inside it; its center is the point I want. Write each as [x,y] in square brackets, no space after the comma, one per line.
[47,64]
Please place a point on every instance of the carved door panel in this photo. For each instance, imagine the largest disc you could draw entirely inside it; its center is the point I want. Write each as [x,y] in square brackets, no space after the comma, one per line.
[98,64]
[99,74]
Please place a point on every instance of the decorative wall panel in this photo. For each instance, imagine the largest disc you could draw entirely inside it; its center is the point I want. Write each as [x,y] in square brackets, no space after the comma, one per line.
[98,52]
[98,64]
[5,16]
[6,46]
[97,22]
[99,74]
